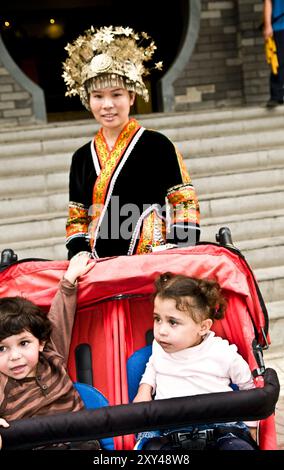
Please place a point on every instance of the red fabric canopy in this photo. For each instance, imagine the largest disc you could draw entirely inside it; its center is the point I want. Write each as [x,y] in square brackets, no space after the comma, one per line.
[37,280]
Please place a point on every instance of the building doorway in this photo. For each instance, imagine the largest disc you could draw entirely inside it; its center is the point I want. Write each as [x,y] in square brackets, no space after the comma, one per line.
[35,34]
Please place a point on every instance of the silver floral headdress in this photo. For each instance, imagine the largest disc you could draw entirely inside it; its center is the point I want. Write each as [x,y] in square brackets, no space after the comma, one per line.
[110,56]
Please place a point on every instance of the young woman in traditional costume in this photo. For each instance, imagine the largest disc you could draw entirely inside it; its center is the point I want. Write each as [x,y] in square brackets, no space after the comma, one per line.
[129,189]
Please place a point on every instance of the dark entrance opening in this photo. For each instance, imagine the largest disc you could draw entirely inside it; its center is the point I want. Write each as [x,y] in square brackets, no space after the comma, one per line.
[35,34]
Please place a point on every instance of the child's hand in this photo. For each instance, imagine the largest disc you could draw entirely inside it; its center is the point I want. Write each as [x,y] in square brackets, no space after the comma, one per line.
[144,393]
[80,264]
[4,424]
[253,433]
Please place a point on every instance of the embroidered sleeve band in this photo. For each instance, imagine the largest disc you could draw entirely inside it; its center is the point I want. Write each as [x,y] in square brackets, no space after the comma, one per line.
[182,205]
[78,221]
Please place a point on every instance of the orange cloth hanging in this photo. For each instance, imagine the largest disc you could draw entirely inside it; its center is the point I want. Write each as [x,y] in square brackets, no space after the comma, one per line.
[271,55]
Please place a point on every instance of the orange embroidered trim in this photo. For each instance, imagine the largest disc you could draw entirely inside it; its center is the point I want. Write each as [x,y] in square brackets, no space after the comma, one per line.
[183,204]
[109,162]
[78,220]
[153,233]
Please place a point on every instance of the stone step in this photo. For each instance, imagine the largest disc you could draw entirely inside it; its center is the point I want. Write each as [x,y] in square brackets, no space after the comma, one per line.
[52,248]
[263,252]
[231,203]
[271,283]
[37,147]
[273,358]
[245,226]
[35,165]
[247,220]
[225,168]
[251,133]
[275,312]
[33,184]
[240,181]
[49,131]
[190,145]
[229,144]
[30,228]
[49,178]
[36,170]
[276,325]
[26,207]
[247,117]
[208,165]
[205,165]
[272,354]
[217,129]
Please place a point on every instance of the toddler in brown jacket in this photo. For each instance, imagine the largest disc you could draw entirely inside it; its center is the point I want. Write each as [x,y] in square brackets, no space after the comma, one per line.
[34,351]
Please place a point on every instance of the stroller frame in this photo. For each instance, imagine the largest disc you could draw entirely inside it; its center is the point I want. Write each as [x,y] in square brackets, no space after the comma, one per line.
[116,281]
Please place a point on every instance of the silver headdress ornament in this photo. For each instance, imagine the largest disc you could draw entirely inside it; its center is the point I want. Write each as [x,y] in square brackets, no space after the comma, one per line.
[110,56]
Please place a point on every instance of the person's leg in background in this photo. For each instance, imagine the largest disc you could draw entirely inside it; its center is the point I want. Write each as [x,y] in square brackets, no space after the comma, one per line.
[277,81]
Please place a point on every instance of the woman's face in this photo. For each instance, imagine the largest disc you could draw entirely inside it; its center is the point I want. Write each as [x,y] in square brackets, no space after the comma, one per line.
[111,106]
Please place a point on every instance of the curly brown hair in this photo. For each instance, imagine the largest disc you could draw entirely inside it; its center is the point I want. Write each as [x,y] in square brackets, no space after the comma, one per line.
[18,314]
[206,294]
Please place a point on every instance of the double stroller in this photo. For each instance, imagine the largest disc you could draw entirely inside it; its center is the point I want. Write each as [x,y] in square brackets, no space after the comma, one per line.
[111,343]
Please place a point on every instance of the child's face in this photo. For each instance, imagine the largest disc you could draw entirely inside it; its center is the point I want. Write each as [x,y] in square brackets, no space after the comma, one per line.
[19,355]
[175,330]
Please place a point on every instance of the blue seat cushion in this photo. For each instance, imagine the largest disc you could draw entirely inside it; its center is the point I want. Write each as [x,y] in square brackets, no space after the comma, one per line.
[135,368]
[93,399]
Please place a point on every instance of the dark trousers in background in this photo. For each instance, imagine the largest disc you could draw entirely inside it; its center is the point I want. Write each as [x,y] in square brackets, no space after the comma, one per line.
[277,81]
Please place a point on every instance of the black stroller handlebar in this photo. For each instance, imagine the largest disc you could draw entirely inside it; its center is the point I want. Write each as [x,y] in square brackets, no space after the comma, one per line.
[258,403]
[224,237]
[8,257]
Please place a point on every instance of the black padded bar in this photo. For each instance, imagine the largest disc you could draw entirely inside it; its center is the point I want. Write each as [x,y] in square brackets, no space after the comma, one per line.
[248,405]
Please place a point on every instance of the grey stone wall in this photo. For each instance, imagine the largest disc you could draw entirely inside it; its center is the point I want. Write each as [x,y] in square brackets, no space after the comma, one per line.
[15,102]
[254,67]
[21,100]
[227,67]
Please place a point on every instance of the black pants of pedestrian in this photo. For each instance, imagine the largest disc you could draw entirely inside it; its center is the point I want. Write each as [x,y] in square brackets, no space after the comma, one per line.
[277,81]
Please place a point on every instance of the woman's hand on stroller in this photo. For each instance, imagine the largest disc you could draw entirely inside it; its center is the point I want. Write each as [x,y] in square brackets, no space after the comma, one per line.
[144,393]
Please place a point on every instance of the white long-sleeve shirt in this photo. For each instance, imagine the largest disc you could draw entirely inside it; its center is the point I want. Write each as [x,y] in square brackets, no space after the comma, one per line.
[206,368]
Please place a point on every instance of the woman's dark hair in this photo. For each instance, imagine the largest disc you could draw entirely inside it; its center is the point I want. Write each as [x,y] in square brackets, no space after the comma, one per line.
[208,298]
[18,314]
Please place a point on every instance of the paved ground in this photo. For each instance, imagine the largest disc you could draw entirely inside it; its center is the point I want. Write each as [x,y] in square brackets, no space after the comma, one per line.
[280,423]
[276,361]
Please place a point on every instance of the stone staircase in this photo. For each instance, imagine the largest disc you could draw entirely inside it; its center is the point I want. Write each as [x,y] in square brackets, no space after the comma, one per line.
[235,158]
